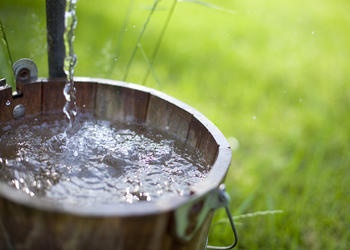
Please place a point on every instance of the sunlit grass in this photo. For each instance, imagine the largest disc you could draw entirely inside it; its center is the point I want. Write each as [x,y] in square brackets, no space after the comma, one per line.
[273,76]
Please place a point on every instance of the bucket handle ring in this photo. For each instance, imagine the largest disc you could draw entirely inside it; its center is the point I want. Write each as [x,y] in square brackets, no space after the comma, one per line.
[224,199]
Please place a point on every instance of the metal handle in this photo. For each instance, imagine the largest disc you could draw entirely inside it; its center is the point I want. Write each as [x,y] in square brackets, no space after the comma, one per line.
[224,197]
[190,217]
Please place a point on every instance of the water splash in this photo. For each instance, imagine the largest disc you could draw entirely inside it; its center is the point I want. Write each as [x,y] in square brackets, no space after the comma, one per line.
[70,60]
[104,162]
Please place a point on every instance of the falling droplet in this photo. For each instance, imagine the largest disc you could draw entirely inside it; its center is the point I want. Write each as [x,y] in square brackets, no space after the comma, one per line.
[8,103]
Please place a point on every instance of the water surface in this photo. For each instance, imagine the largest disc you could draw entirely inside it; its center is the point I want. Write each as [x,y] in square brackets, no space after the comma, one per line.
[102,162]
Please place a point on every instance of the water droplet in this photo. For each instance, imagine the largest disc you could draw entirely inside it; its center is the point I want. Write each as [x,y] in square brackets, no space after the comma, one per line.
[8,103]
[254,117]
[313,33]
[75,153]
[15,183]
[66,92]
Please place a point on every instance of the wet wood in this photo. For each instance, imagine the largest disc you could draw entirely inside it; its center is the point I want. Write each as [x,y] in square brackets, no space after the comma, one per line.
[200,138]
[52,97]
[168,117]
[86,93]
[30,97]
[6,104]
[120,104]
[28,228]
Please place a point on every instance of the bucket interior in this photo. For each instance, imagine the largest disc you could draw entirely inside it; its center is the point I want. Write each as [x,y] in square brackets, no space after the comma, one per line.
[126,102]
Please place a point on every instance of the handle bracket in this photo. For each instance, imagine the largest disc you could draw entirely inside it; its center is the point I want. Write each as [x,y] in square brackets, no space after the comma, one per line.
[190,217]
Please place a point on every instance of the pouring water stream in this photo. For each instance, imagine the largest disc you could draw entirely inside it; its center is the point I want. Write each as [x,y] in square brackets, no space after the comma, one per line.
[70,60]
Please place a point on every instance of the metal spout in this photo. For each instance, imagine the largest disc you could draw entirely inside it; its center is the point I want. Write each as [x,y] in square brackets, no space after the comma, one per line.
[55,10]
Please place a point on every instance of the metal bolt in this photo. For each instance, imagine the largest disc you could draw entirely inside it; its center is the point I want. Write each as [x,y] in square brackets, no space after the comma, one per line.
[24,74]
[19,111]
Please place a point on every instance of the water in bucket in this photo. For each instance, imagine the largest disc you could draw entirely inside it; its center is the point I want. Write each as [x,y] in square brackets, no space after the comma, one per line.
[102,162]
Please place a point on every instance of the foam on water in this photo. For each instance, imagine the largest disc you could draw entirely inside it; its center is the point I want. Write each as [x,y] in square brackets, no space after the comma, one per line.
[102,162]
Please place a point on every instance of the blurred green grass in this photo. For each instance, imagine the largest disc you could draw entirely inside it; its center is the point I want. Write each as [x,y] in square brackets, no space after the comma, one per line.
[272,75]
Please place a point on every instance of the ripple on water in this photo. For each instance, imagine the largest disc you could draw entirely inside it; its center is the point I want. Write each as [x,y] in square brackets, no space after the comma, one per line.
[101,162]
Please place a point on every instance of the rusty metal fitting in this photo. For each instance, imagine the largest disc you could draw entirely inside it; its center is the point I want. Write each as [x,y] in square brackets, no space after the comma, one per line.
[25,70]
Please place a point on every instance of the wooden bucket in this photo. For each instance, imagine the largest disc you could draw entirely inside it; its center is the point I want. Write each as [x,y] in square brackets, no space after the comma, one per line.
[176,224]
